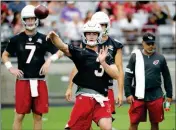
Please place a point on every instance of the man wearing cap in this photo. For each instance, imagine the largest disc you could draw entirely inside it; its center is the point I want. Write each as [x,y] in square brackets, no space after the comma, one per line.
[143,84]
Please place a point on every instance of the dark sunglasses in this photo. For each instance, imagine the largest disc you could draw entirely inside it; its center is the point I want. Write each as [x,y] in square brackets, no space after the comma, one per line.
[150,43]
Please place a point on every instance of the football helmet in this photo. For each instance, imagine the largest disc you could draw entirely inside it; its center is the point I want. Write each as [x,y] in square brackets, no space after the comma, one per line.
[28,12]
[102,18]
[92,26]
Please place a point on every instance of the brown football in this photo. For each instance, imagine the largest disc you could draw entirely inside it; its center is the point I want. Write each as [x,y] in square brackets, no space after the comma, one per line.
[41,11]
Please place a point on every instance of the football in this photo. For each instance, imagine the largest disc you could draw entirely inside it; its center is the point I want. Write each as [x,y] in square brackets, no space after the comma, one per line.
[41,11]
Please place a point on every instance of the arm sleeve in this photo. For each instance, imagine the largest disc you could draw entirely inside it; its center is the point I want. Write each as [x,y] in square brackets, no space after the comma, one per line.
[167,79]
[118,44]
[50,47]
[11,46]
[129,75]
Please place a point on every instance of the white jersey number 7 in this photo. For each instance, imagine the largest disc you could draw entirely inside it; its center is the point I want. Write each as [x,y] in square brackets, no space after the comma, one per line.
[32,49]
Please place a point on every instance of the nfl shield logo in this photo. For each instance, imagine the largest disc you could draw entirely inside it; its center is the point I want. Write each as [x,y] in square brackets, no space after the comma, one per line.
[155,62]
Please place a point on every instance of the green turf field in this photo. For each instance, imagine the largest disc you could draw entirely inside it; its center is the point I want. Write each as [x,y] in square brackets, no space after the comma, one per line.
[58,116]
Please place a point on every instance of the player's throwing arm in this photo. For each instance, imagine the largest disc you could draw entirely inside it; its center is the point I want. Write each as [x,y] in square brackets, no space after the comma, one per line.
[58,42]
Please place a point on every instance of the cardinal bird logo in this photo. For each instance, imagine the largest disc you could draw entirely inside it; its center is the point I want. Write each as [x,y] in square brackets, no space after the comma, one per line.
[155,62]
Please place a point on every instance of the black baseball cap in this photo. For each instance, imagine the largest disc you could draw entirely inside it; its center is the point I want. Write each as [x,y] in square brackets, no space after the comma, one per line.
[149,38]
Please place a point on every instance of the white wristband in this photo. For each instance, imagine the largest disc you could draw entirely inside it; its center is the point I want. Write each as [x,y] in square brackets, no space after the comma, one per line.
[54,57]
[8,64]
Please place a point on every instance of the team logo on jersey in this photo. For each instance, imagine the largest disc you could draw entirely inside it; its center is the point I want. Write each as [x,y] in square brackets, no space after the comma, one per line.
[110,47]
[39,41]
[155,62]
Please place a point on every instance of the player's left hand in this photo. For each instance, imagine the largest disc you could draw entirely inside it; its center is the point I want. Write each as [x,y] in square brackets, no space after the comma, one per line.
[45,67]
[119,100]
[102,54]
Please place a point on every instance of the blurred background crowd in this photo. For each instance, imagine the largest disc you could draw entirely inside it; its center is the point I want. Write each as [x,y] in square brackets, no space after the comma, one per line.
[129,20]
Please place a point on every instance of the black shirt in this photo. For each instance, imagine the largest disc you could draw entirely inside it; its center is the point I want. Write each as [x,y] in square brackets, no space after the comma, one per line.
[155,65]
[113,46]
[90,72]
[30,52]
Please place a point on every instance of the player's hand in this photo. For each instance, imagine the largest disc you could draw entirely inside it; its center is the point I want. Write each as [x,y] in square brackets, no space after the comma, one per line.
[168,100]
[119,100]
[68,94]
[102,54]
[50,35]
[18,73]
[130,99]
[45,67]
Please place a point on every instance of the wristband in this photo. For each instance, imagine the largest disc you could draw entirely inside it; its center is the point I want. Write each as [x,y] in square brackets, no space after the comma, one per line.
[54,57]
[8,64]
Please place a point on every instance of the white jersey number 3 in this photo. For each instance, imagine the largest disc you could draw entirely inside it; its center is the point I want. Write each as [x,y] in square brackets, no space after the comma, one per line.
[99,74]
[32,49]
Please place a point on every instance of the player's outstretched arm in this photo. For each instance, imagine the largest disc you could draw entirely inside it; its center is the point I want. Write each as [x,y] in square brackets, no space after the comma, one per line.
[111,70]
[120,88]
[8,64]
[58,43]
[68,94]
[45,67]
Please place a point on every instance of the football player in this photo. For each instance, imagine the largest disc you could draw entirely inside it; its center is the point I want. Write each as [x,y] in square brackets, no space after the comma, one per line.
[30,48]
[92,79]
[115,50]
